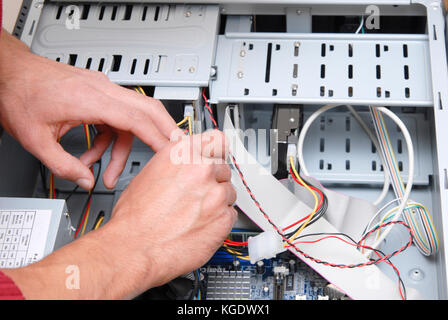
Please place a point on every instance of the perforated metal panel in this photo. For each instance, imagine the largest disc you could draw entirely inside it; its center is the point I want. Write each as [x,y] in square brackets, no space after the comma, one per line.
[337,149]
[170,45]
[298,68]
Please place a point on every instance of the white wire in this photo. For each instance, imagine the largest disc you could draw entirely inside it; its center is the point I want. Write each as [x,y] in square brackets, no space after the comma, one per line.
[306,127]
[410,182]
[360,26]
[378,213]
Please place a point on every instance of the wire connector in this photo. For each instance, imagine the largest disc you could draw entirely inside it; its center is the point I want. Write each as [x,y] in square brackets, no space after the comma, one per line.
[265,246]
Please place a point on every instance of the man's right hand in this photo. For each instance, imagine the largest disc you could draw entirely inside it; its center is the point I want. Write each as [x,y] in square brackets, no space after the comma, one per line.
[169,221]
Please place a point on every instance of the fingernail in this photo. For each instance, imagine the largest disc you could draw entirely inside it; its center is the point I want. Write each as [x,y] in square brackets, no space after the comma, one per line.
[84,183]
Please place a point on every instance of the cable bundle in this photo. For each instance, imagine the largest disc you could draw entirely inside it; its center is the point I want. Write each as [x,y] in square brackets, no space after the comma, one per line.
[415,214]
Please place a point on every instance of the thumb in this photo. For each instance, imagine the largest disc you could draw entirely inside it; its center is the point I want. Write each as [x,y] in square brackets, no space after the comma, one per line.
[61,163]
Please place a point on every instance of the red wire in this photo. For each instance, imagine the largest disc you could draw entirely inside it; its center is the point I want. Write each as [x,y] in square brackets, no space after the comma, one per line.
[83,218]
[209,109]
[356,245]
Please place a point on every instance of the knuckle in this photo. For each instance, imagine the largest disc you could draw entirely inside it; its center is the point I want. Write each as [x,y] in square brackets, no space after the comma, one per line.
[204,172]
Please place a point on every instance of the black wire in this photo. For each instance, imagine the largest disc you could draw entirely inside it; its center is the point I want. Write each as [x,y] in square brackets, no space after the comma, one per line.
[357,243]
[91,193]
[43,178]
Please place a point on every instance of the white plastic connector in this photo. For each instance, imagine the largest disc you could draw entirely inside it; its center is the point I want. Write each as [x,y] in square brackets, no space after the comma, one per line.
[189,111]
[291,152]
[265,246]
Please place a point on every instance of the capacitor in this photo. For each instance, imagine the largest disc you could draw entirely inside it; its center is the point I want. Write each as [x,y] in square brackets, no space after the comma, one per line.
[265,290]
[260,267]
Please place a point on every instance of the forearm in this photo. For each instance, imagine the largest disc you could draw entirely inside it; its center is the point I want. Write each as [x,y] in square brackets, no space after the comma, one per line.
[107,270]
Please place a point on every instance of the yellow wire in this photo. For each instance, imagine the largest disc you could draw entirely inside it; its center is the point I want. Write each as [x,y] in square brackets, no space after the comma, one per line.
[89,145]
[190,131]
[140,89]
[99,222]
[182,122]
[316,200]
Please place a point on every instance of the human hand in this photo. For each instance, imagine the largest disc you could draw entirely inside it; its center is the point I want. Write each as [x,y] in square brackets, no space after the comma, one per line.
[169,221]
[177,213]
[40,100]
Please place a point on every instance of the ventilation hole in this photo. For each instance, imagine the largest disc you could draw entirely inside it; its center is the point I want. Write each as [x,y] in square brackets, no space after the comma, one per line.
[378,72]
[373,165]
[274,92]
[407,92]
[128,12]
[145,11]
[400,165]
[329,166]
[323,50]
[114,13]
[405,50]
[295,70]
[102,10]
[134,64]
[381,168]
[331,47]
[378,92]
[378,51]
[406,72]
[387,94]
[386,48]
[89,63]
[251,46]
[58,13]
[135,167]
[146,69]
[72,59]
[350,71]
[330,93]
[322,123]
[322,145]
[348,123]
[350,50]
[156,14]
[296,50]
[373,148]
[347,145]
[400,146]
[116,62]
[101,66]
[246,92]
[434,30]
[347,164]
[277,47]
[58,59]
[350,92]
[322,91]
[321,164]
[268,63]
[322,71]
[85,12]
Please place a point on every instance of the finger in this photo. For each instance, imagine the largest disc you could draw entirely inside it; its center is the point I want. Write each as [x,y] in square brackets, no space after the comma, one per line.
[119,156]
[223,173]
[103,109]
[101,142]
[131,101]
[230,191]
[58,161]
[214,145]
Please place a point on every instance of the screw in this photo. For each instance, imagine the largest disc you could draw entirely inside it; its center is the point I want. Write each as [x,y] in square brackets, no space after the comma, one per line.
[192,69]
[299,12]
[242,53]
[292,120]
[188,14]
[297,44]
[240,74]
